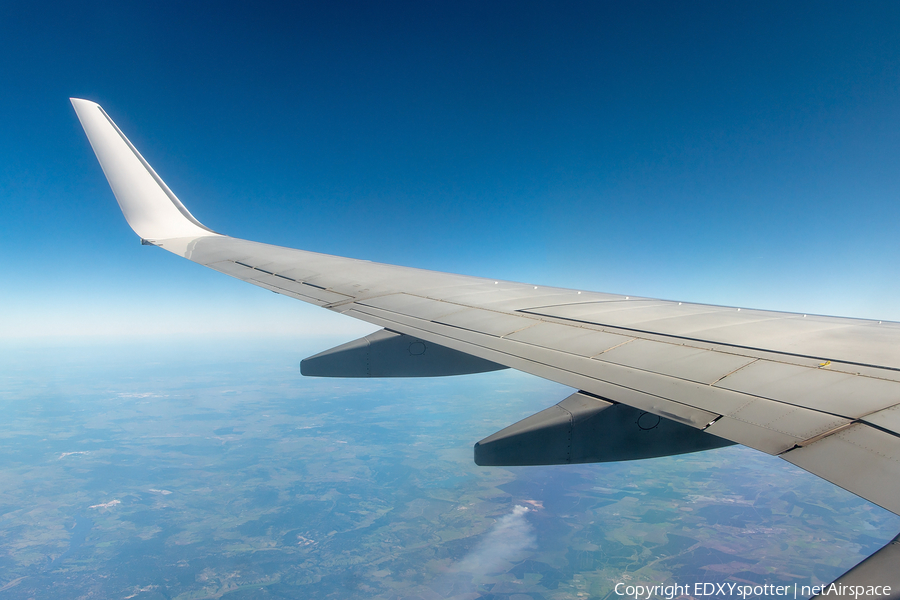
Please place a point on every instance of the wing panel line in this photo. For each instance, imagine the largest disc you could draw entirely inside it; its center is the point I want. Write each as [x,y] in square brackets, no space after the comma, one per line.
[705,341]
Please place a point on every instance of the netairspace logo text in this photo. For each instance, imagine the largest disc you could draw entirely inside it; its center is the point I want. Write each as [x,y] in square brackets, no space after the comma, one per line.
[670,592]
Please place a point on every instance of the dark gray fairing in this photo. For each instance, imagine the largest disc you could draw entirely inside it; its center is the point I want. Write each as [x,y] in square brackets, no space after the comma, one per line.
[585,428]
[389,354]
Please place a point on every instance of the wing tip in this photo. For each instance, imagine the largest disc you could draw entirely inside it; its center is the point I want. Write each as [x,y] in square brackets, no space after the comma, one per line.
[76,102]
[149,206]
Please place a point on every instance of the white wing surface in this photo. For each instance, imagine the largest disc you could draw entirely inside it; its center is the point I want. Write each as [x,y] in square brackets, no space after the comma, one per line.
[820,392]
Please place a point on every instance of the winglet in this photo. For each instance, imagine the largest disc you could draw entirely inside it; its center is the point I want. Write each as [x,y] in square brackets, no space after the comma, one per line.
[149,206]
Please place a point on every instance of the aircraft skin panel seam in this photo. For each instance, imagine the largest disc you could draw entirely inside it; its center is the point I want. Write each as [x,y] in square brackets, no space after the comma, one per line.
[479,331]
[548,318]
[591,326]
[836,365]
[273,274]
[281,290]
[821,436]
[877,419]
[735,371]
[732,413]
[735,415]
[879,394]
[873,449]
[583,325]
[750,396]
[598,355]
[619,345]
[706,341]
[330,304]
[295,295]
[846,460]
[788,439]
[570,378]
[278,290]
[346,300]
[722,307]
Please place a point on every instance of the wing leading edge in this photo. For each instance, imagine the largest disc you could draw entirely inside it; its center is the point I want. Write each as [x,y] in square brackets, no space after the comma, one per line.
[820,392]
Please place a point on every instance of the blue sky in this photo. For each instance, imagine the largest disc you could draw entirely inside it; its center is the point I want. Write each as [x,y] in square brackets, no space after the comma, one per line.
[736,153]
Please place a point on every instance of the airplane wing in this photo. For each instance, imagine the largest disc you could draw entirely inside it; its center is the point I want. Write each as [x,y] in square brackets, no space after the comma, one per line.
[820,392]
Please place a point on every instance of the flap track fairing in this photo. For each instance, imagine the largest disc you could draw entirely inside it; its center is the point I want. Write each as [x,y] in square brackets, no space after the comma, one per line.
[585,428]
[386,353]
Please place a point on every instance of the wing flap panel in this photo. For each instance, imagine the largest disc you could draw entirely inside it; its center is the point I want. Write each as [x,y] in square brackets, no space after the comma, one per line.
[860,459]
[853,341]
[879,570]
[510,297]
[635,313]
[301,287]
[758,437]
[482,346]
[760,423]
[284,292]
[282,284]
[485,321]
[773,427]
[232,268]
[888,418]
[566,338]
[839,393]
[413,306]
[534,301]
[684,362]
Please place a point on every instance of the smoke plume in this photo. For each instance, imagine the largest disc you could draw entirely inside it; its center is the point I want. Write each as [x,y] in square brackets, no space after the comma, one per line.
[509,541]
